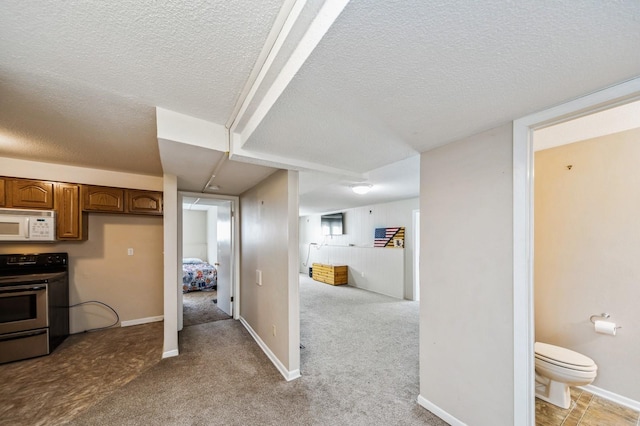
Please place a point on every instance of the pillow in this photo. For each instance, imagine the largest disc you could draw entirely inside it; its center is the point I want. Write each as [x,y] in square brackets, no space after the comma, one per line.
[190,260]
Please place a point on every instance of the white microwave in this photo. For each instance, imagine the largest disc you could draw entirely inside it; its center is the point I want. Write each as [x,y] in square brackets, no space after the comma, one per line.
[27,225]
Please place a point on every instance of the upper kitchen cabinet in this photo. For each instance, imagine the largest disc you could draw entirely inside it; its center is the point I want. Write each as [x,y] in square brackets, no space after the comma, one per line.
[102,199]
[71,222]
[121,200]
[144,202]
[24,193]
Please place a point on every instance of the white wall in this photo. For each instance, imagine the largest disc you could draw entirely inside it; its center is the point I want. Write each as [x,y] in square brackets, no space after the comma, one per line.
[466,279]
[172,271]
[587,245]
[386,270]
[194,234]
[269,240]
[200,234]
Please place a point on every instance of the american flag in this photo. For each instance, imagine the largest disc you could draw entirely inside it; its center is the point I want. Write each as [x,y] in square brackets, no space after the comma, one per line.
[384,236]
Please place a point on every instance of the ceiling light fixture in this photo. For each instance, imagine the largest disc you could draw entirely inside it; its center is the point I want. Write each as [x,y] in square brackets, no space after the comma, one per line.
[362,188]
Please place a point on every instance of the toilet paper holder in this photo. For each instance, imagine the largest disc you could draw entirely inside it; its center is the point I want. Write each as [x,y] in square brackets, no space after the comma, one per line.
[604,315]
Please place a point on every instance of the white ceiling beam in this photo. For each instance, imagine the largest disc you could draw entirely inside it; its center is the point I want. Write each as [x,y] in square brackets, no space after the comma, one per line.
[323,21]
[177,127]
[288,15]
[270,160]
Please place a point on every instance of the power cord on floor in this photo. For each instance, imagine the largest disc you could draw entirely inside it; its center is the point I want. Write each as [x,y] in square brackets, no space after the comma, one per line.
[103,304]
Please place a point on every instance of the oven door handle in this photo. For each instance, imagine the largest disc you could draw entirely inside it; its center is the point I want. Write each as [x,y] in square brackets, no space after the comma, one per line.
[21,289]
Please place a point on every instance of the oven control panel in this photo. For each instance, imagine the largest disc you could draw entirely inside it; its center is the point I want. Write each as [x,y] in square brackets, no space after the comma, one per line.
[29,259]
[30,263]
[56,259]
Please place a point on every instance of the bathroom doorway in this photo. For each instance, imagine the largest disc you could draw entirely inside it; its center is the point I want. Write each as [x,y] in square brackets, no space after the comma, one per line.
[585,223]
[524,404]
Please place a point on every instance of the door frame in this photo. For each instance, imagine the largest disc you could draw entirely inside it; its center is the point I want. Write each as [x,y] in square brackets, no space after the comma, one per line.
[235,248]
[523,312]
[415,215]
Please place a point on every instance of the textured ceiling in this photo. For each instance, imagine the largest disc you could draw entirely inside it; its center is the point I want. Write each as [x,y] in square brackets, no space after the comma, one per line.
[194,165]
[320,192]
[91,72]
[79,81]
[187,56]
[44,119]
[395,78]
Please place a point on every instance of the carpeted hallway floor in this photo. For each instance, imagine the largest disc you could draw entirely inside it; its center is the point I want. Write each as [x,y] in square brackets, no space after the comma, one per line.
[198,308]
[359,367]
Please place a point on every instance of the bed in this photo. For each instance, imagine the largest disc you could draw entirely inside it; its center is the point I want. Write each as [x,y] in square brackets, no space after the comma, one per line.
[198,275]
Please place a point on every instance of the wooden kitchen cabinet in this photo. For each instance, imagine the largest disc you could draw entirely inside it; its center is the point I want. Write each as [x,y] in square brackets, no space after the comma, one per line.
[330,274]
[102,199]
[2,192]
[71,222]
[30,194]
[72,202]
[144,202]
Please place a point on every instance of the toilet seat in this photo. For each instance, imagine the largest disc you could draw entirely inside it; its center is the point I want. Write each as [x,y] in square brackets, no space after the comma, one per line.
[563,374]
[559,364]
[564,358]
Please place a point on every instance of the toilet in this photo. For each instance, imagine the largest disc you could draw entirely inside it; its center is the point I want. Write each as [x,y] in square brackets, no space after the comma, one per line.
[558,368]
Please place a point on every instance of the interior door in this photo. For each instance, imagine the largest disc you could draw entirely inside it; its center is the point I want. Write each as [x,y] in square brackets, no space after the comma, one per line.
[224,258]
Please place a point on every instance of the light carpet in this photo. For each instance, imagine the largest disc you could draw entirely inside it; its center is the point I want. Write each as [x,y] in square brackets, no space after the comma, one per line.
[359,367]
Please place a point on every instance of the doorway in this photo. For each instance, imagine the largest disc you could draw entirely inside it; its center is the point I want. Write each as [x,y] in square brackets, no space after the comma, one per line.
[523,337]
[207,258]
[585,223]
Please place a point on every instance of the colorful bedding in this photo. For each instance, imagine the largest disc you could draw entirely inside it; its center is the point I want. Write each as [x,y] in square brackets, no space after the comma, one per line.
[198,275]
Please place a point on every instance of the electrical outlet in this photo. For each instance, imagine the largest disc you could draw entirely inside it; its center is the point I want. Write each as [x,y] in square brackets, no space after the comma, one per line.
[258,277]
[362,274]
[129,252]
[273,329]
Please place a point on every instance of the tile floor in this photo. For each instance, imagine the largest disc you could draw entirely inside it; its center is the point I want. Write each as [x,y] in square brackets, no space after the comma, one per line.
[586,410]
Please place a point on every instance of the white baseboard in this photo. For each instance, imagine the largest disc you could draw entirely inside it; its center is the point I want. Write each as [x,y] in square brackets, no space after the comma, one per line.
[169,354]
[141,321]
[439,412]
[614,397]
[288,375]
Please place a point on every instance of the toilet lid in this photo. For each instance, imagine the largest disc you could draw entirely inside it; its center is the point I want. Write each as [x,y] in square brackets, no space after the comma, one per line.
[558,355]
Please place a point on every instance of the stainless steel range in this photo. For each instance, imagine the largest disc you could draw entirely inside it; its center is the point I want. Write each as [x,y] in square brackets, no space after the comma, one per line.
[34,304]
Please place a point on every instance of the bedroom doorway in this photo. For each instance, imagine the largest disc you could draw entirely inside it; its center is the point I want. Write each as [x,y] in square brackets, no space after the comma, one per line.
[206,256]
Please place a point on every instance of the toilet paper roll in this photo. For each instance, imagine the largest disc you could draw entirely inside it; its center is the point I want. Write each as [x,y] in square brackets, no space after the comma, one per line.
[605,327]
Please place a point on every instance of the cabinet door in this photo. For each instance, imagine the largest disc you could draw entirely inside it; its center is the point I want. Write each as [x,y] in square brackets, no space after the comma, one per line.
[2,193]
[144,202]
[102,199]
[71,223]
[31,193]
